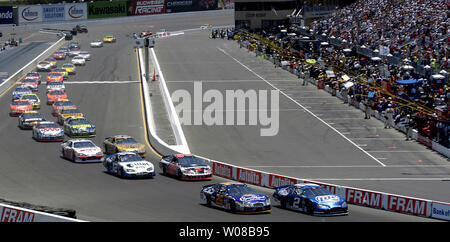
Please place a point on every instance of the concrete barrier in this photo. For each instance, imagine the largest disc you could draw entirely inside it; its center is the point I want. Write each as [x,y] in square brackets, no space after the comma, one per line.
[10,213]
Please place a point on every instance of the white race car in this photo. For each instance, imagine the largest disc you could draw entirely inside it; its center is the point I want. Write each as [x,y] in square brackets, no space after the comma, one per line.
[78,60]
[55,85]
[74,52]
[47,131]
[86,55]
[44,66]
[128,165]
[96,43]
[81,150]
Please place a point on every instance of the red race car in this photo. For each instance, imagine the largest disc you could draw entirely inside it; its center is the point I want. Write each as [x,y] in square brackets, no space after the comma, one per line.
[55,76]
[19,106]
[186,167]
[34,76]
[54,95]
[59,55]
[32,84]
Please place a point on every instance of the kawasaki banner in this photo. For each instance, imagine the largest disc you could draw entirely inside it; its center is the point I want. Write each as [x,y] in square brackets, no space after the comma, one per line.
[6,15]
[106,9]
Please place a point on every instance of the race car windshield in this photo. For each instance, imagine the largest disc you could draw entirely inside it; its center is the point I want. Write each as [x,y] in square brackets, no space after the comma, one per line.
[68,65]
[20,103]
[43,63]
[125,141]
[130,158]
[58,92]
[68,111]
[79,121]
[240,190]
[31,115]
[22,89]
[191,161]
[84,144]
[84,53]
[55,83]
[30,97]
[66,103]
[315,191]
[29,80]
[55,75]
[46,126]
[32,74]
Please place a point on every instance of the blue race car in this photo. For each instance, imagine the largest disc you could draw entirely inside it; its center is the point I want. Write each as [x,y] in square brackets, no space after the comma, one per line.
[310,198]
[235,197]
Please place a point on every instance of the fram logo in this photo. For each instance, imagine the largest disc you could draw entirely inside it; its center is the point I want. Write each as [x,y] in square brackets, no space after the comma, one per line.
[16,215]
[75,12]
[29,15]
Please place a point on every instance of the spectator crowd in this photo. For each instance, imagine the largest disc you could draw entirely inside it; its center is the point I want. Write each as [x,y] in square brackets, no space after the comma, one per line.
[413,92]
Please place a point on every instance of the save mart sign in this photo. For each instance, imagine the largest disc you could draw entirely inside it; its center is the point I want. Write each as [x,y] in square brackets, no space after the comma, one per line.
[107,9]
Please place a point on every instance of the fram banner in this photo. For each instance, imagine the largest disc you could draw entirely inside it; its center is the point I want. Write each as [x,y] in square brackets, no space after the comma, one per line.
[6,15]
[10,214]
[147,7]
[53,12]
[29,14]
[408,205]
[75,11]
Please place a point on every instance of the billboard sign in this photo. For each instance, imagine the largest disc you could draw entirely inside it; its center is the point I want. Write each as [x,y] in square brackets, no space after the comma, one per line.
[174,6]
[53,12]
[106,9]
[75,11]
[29,14]
[147,7]
[6,15]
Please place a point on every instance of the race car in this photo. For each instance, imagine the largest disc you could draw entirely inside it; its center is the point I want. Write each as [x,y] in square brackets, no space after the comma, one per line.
[81,150]
[310,198]
[97,44]
[120,143]
[79,127]
[128,165]
[33,99]
[81,28]
[144,34]
[66,113]
[61,104]
[34,76]
[235,197]
[30,118]
[30,83]
[64,49]
[54,95]
[44,66]
[55,85]
[52,62]
[186,167]
[48,131]
[86,55]
[59,55]
[54,76]
[73,45]
[109,39]
[78,60]
[19,91]
[19,106]
[63,72]
[74,52]
[70,68]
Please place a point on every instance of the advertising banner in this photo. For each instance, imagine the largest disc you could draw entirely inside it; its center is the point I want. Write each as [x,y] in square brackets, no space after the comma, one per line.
[174,6]
[146,7]
[6,15]
[29,14]
[75,11]
[106,9]
[225,4]
[53,12]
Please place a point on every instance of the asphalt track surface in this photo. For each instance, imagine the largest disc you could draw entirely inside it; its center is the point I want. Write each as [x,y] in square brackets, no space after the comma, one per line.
[107,91]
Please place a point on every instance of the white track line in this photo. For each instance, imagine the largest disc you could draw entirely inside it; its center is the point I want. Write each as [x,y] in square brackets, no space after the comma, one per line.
[307,110]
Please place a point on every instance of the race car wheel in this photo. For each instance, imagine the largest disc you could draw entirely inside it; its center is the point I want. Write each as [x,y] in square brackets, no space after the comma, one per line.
[179,174]
[232,207]
[283,203]
[164,170]
[309,208]
[208,201]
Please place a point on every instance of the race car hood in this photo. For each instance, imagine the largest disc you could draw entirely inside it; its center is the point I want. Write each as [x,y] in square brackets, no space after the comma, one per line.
[130,146]
[82,126]
[137,166]
[88,151]
[50,131]
[32,119]
[67,115]
[197,169]
[253,197]
[327,199]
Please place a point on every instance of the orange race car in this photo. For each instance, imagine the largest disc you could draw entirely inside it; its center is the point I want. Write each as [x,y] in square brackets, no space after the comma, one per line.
[61,104]
[19,106]
[55,76]
[54,95]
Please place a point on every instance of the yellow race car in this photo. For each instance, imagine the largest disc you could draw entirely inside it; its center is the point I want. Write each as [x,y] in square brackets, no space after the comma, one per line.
[70,68]
[123,143]
[66,113]
[109,39]
[33,99]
